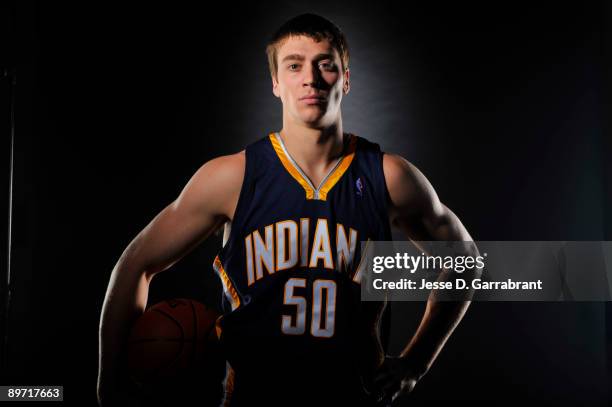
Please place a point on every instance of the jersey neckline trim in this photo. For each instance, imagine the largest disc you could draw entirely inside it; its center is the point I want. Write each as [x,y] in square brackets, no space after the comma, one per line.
[328,182]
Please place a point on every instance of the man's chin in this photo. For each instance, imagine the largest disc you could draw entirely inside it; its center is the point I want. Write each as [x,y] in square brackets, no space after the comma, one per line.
[313,120]
[317,124]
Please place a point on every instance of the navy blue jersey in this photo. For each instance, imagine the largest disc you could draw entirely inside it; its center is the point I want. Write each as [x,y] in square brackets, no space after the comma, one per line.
[293,327]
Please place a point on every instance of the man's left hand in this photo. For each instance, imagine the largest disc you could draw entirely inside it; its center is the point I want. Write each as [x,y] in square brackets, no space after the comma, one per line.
[395,377]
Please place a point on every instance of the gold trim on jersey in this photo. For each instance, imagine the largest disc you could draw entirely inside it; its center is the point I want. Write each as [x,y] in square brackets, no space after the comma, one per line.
[290,168]
[228,385]
[228,287]
[296,172]
[359,270]
[218,327]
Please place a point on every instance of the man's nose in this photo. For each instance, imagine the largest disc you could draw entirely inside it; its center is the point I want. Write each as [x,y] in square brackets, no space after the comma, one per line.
[311,75]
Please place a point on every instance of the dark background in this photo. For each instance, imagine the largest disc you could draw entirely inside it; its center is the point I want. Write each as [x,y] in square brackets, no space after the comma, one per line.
[116,106]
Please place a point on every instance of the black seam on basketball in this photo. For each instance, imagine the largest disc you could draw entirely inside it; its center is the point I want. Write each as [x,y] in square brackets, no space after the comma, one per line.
[177,322]
[159,369]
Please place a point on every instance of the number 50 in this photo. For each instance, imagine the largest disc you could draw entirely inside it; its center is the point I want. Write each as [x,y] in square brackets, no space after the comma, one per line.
[322,325]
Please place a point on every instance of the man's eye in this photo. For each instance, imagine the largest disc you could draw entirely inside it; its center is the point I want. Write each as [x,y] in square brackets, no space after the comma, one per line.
[328,66]
[293,67]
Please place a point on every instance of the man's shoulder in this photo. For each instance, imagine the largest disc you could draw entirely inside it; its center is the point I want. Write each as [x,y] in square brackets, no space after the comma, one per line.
[225,168]
[229,162]
[394,165]
[407,185]
[217,183]
[221,174]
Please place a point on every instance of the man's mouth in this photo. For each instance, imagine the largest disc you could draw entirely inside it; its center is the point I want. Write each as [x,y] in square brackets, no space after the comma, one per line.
[313,99]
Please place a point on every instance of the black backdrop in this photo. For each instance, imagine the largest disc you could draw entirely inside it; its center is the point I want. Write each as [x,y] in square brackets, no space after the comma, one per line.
[117,105]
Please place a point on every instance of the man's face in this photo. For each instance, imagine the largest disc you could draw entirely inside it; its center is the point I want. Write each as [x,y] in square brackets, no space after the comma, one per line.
[310,81]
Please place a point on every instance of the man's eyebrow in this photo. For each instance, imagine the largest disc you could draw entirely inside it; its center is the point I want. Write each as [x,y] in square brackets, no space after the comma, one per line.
[293,57]
[323,56]
[298,57]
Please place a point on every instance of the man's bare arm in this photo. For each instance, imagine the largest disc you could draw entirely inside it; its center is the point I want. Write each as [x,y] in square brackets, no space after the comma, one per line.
[206,202]
[416,210]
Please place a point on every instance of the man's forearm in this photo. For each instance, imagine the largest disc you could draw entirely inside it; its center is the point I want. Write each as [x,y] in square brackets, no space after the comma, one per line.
[441,317]
[438,323]
[125,301]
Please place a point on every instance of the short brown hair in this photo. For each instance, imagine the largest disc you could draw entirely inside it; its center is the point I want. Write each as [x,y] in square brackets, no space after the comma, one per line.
[313,26]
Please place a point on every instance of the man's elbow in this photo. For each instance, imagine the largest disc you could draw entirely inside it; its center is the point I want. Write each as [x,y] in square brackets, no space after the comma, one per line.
[447,226]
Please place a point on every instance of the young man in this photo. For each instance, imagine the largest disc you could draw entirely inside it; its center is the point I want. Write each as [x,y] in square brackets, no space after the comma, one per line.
[295,206]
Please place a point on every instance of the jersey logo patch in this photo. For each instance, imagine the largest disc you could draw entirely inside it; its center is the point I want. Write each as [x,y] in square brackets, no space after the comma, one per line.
[359,186]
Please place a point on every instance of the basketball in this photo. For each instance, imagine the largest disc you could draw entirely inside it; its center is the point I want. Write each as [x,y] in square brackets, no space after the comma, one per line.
[171,339]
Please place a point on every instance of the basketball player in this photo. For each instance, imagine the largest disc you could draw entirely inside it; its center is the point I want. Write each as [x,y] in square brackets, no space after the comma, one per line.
[295,205]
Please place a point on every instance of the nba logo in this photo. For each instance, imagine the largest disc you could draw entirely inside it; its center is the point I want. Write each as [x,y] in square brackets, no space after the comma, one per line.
[359,186]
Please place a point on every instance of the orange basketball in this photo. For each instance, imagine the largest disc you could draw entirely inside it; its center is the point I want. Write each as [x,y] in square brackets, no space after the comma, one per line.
[170,339]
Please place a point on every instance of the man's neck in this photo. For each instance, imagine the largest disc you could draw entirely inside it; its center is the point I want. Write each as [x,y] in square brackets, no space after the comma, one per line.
[314,149]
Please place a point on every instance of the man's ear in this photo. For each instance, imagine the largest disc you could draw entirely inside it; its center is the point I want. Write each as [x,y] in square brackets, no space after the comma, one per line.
[347,84]
[275,87]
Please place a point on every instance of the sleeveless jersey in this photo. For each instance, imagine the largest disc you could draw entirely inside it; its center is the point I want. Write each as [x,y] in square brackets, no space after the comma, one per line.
[293,329]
